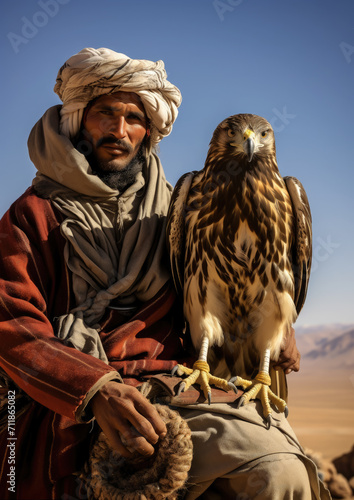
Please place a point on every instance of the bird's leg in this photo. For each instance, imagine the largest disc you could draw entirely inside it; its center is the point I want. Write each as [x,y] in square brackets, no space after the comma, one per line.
[200,374]
[260,387]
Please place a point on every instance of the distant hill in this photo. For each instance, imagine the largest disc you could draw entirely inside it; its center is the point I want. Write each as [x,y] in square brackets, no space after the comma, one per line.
[340,348]
[311,338]
[331,345]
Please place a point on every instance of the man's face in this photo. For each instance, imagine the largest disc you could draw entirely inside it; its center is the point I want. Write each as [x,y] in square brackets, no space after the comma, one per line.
[115,125]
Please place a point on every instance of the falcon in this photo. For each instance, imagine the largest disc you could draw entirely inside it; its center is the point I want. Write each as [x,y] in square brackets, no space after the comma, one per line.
[239,238]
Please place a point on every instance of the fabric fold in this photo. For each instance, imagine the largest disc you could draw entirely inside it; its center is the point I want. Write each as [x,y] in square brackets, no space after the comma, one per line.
[94,72]
[115,242]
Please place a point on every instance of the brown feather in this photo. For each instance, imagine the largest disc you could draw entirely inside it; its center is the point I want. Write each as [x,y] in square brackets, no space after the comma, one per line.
[239,238]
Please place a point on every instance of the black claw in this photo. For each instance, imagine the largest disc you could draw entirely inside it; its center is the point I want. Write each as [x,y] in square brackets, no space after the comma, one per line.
[268,421]
[181,388]
[209,398]
[240,402]
[286,412]
[174,371]
[232,380]
[233,387]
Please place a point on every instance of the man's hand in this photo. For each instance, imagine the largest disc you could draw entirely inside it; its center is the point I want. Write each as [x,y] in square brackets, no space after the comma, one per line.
[129,421]
[289,358]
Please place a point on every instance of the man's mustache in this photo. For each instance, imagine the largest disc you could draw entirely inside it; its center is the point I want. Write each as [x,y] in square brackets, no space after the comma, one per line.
[117,142]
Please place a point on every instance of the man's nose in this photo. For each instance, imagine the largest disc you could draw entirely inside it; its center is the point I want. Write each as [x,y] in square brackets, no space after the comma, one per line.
[117,127]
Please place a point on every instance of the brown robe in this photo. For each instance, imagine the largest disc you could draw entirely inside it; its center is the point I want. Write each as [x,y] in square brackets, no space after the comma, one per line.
[35,288]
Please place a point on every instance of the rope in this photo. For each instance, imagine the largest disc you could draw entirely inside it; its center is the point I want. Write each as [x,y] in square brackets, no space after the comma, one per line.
[201,365]
[263,378]
[109,476]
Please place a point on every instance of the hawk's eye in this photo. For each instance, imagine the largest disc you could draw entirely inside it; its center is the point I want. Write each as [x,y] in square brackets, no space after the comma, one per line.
[264,133]
[230,133]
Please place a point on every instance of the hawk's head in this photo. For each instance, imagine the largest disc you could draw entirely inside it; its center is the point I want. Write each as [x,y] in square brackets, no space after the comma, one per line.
[250,136]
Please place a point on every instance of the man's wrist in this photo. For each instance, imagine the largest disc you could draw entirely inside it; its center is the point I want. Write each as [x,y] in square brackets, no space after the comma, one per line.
[83,413]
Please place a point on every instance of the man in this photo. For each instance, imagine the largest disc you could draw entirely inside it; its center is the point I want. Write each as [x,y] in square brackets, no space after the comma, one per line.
[87,302]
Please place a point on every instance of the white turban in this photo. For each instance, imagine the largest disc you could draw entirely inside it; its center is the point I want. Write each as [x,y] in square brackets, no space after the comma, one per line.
[94,72]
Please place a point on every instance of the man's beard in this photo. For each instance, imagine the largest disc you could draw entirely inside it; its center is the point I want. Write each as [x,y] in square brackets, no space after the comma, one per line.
[116,179]
[119,179]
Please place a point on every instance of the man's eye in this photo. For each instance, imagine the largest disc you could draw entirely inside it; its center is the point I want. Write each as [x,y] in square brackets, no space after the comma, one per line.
[133,116]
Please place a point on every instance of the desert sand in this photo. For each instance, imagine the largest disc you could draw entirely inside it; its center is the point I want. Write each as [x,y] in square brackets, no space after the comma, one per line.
[321,396]
[321,407]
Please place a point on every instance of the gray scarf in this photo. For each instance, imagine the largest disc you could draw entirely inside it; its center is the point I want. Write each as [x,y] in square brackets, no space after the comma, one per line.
[114,242]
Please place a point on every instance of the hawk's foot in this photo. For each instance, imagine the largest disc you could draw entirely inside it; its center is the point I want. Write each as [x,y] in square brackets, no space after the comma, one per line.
[200,374]
[259,388]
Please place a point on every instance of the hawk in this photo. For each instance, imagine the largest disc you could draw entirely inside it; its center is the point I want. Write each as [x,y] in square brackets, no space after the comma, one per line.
[239,238]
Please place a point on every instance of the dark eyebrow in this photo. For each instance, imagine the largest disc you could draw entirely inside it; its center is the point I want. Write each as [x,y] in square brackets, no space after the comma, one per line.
[138,113]
[113,107]
[105,107]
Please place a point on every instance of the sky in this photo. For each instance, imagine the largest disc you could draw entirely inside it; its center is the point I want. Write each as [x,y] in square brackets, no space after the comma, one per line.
[290,62]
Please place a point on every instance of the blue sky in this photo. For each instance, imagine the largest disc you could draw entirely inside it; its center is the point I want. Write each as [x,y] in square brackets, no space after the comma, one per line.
[291,62]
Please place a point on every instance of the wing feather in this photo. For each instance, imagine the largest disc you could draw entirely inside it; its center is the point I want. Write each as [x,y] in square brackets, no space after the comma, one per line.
[302,250]
[175,230]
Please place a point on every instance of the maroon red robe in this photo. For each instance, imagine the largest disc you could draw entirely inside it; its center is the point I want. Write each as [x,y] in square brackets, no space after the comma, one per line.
[35,288]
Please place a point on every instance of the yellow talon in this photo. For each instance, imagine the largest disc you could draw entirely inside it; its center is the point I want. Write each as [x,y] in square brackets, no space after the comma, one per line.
[201,365]
[260,387]
[182,370]
[219,382]
[200,374]
[192,379]
[278,402]
[263,378]
[265,401]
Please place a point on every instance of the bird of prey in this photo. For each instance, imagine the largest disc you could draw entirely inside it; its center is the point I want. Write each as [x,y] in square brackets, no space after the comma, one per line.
[239,238]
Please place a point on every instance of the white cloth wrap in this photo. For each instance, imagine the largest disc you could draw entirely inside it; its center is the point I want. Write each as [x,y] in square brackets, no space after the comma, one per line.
[94,72]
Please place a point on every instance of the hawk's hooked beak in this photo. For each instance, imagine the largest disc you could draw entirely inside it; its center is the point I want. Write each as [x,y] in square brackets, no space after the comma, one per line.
[249,143]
